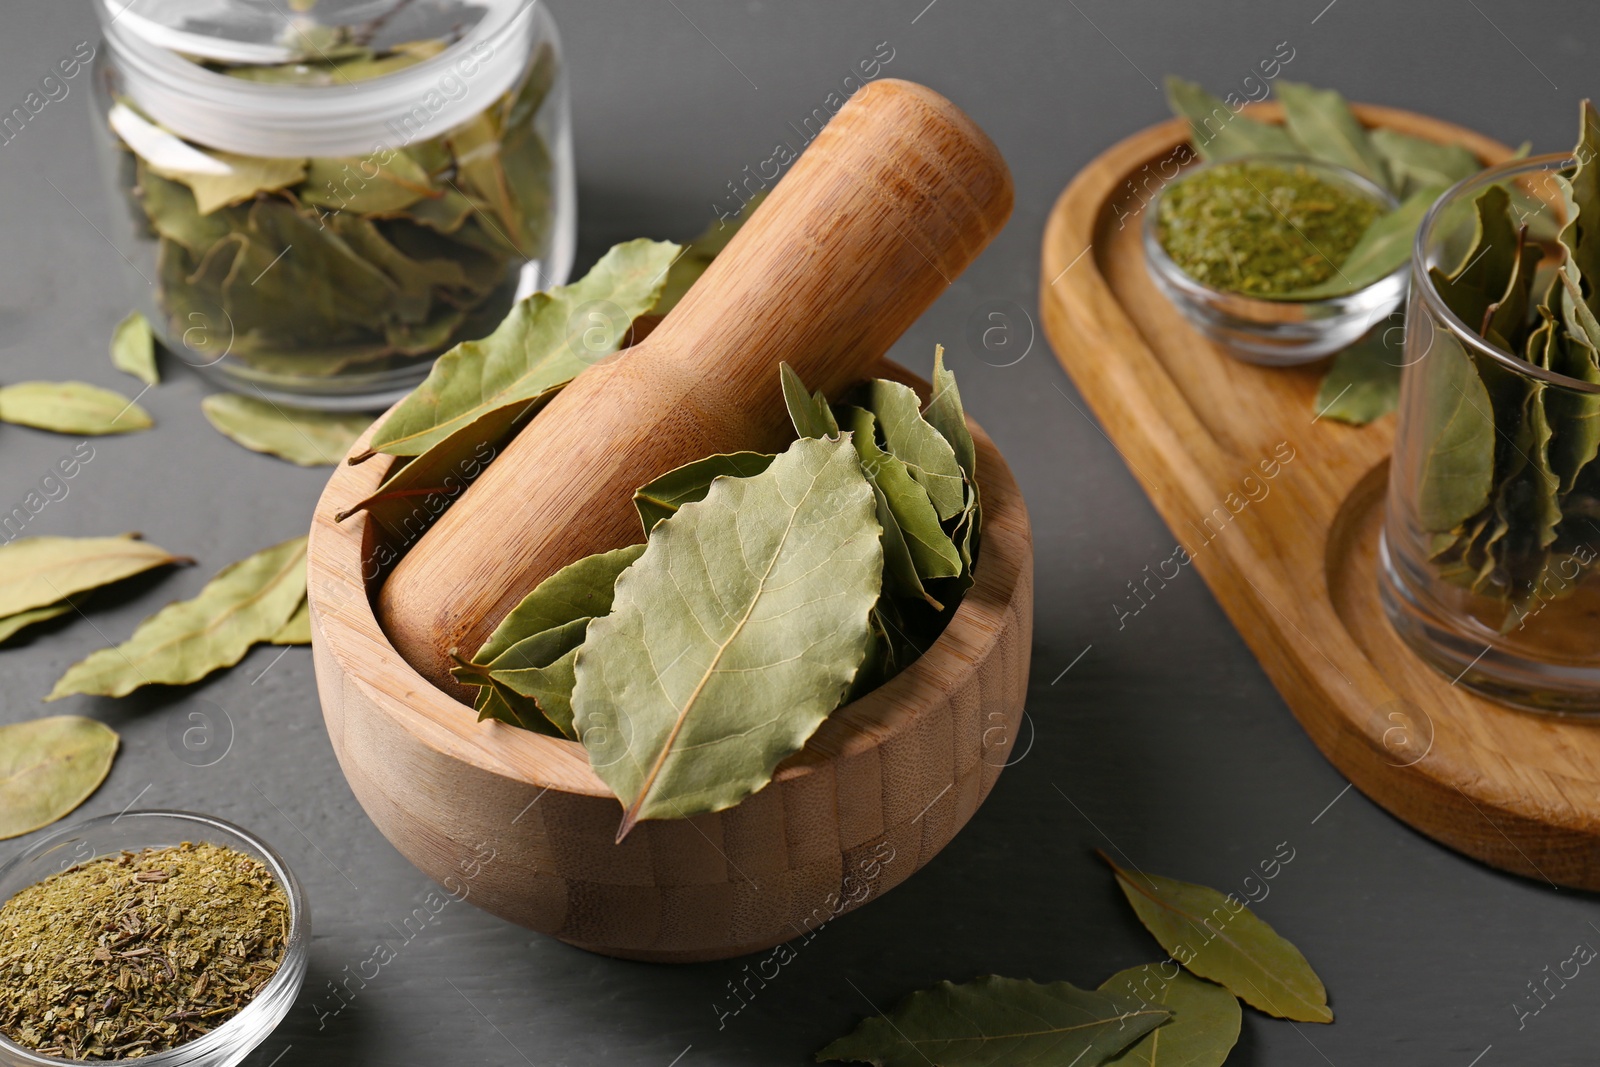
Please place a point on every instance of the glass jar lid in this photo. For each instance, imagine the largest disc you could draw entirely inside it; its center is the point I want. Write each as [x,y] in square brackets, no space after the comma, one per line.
[315,77]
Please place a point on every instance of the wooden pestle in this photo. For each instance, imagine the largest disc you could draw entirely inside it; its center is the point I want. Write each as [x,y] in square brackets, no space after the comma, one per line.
[895,197]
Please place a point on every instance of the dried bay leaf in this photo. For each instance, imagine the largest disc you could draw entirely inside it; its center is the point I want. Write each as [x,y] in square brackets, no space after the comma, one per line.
[247,602]
[1416,163]
[133,348]
[306,438]
[662,498]
[345,184]
[1458,432]
[1363,384]
[914,442]
[810,413]
[580,590]
[297,631]
[1384,247]
[48,767]
[418,489]
[994,1020]
[36,572]
[539,347]
[537,669]
[1205,1018]
[1217,937]
[1325,128]
[932,552]
[733,636]
[1218,131]
[239,179]
[71,407]
[11,625]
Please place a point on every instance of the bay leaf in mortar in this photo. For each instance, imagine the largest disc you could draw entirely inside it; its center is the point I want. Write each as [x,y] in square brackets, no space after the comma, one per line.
[71,407]
[932,552]
[48,767]
[580,590]
[541,345]
[537,669]
[1323,125]
[306,438]
[810,413]
[133,348]
[418,489]
[36,572]
[247,602]
[994,1020]
[1217,937]
[1219,132]
[1205,1018]
[733,636]
[914,442]
[662,498]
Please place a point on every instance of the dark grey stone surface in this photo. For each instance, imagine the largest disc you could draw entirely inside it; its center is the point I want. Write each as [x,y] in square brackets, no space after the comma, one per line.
[1164,739]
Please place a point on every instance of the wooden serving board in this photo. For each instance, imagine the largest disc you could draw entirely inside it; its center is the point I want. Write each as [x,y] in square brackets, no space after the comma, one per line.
[1289,545]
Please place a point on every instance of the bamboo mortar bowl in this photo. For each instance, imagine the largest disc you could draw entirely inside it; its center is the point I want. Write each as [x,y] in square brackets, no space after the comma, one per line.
[519,824]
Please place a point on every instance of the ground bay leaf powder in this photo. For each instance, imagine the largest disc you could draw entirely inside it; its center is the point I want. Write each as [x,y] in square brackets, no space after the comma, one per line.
[136,953]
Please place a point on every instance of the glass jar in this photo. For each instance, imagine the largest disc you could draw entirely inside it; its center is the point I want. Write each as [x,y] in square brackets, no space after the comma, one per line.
[1492,530]
[316,197]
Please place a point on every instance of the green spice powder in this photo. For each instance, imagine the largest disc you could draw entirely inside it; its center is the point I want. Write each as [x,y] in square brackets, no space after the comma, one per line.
[1261,228]
[137,953]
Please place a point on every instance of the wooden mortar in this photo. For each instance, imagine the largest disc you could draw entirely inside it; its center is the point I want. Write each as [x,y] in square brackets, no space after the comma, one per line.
[519,824]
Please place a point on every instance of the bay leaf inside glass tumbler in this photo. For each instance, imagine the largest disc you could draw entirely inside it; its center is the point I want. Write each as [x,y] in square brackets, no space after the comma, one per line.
[1491,548]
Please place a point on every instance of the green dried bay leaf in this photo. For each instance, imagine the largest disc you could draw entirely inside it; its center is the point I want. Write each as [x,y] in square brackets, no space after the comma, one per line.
[48,767]
[913,441]
[37,572]
[1363,383]
[1217,937]
[1205,1018]
[1325,128]
[540,346]
[247,602]
[133,348]
[1219,132]
[733,636]
[11,625]
[662,498]
[993,1020]
[71,407]
[306,438]
[297,631]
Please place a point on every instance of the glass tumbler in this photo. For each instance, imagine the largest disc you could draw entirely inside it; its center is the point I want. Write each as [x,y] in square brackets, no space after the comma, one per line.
[1492,528]
[315,198]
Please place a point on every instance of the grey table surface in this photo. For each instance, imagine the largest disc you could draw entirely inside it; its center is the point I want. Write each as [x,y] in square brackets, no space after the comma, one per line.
[1157,734]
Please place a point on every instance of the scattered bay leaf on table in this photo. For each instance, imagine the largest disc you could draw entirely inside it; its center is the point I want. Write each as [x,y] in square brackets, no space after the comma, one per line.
[994,1020]
[133,348]
[1217,937]
[48,767]
[733,636]
[1219,132]
[1417,162]
[71,407]
[297,631]
[11,625]
[1205,1018]
[247,602]
[306,438]
[914,442]
[1363,383]
[662,498]
[539,347]
[810,413]
[1323,125]
[40,571]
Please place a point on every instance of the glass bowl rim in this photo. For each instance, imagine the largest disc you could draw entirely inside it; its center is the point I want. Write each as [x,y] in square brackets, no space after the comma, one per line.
[1193,287]
[1422,284]
[297,943]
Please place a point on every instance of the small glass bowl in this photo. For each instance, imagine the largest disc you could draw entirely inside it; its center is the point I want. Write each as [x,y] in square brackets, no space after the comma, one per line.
[132,831]
[1265,331]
